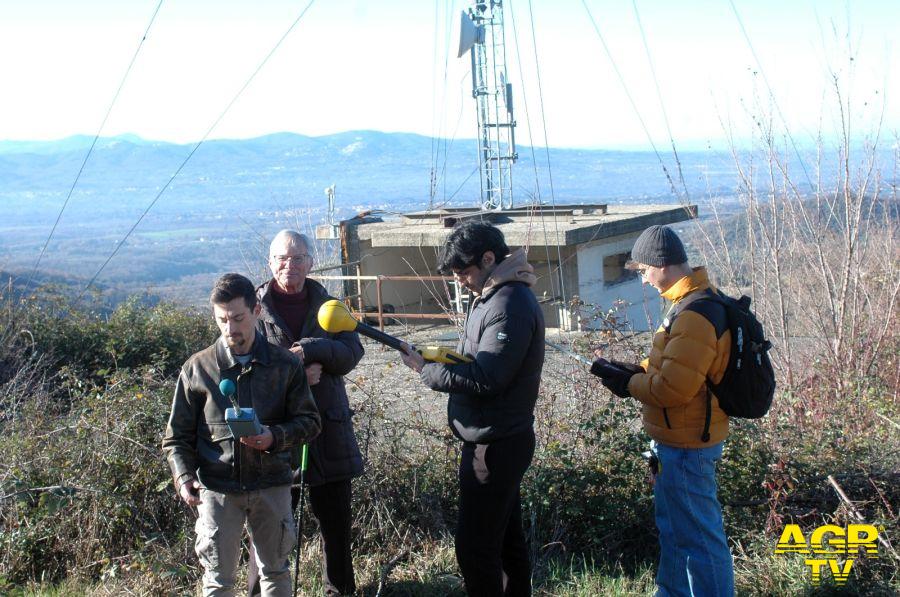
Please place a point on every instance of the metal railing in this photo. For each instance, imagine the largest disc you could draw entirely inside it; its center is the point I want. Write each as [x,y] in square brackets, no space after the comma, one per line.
[379,281]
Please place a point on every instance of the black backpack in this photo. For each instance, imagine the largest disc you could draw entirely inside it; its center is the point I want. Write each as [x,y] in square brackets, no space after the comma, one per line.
[747,388]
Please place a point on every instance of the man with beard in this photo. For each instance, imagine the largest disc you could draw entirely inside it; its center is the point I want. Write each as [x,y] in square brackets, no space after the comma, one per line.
[232,483]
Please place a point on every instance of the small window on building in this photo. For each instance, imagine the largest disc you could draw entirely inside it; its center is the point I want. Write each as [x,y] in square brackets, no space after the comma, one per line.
[614,271]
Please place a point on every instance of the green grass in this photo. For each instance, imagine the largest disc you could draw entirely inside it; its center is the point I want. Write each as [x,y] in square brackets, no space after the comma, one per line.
[431,572]
[583,578]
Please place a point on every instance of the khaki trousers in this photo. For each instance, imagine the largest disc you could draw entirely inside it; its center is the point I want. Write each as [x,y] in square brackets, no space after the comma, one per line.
[267,513]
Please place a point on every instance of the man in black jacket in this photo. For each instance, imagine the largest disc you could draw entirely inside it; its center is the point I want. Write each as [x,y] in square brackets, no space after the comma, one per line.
[231,482]
[491,405]
[289,304]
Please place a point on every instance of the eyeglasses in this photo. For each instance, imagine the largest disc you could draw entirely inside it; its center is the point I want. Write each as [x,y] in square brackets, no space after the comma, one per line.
[290,258]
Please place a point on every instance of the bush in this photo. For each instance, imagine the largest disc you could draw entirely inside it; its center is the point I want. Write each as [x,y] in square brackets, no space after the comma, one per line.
[88,494]
[85,494]
[132,335]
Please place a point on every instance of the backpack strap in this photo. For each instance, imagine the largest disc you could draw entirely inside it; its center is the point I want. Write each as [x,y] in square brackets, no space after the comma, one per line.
[702,302]
[704,437]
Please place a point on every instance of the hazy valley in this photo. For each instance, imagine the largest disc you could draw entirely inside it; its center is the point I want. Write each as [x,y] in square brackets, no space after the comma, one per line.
[232,195]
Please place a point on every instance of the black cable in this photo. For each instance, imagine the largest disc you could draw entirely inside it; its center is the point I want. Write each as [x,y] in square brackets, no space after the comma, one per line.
[771,94]
[631,100]
[537,68]
[194,150]
[442,138]
[434,58]
[534,161]
[91,149]
[459,188]
[662,104]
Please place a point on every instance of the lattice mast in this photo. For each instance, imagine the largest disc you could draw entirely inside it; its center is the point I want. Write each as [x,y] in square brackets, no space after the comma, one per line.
[482,31]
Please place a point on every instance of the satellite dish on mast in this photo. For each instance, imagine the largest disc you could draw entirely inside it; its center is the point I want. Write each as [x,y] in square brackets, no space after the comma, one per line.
[469,34]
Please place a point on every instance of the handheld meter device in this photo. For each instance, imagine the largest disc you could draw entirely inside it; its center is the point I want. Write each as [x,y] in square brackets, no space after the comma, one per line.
[241,421]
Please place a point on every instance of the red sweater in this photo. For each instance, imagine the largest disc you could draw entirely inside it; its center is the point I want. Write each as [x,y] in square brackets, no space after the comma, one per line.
[293,308]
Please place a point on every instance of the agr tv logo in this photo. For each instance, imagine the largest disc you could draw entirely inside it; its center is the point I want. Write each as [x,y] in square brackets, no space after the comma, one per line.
[830,544]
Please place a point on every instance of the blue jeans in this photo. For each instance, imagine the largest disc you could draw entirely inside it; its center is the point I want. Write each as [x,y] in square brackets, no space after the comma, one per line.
[694,556]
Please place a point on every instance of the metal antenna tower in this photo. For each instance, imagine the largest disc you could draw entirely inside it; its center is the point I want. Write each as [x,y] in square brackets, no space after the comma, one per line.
[481,31]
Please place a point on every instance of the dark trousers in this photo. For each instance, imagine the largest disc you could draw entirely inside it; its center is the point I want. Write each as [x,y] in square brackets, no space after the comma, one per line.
[490,545]
[330,504]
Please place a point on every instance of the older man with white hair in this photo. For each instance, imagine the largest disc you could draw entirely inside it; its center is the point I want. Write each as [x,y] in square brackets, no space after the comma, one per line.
[289,303]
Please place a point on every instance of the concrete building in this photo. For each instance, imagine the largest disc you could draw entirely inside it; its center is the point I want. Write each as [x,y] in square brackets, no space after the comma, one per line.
[578,252]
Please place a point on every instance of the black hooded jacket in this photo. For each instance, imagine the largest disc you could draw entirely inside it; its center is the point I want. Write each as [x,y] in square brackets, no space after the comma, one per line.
[493,397]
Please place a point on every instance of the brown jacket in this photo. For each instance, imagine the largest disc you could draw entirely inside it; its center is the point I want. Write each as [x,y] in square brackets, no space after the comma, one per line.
[199,443]
[673,389]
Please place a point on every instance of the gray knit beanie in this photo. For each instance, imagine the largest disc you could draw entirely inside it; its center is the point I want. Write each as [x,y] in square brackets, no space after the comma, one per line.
[658,246]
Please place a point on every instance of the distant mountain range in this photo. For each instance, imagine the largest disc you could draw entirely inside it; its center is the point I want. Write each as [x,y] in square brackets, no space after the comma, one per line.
[233,194]
[366,165]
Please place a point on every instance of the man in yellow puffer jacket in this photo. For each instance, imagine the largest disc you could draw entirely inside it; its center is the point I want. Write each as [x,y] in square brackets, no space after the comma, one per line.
[682,417]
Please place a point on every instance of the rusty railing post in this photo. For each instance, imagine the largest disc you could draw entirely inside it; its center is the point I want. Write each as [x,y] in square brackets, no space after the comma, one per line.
[359,288]
[380,311]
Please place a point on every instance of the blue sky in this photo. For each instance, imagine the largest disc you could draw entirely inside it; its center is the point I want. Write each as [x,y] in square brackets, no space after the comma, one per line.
[353,64]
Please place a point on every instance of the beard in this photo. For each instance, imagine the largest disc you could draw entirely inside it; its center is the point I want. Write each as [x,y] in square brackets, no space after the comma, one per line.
[236,342]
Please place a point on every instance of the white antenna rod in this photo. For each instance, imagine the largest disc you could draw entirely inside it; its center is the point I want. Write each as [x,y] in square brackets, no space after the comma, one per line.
[329,193]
